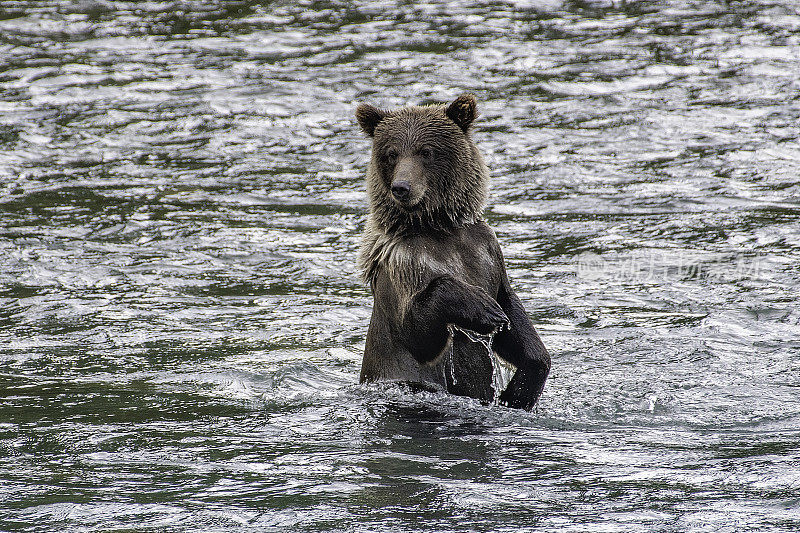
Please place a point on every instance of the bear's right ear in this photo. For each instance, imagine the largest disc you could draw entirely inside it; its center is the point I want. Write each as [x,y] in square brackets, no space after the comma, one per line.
[369,117]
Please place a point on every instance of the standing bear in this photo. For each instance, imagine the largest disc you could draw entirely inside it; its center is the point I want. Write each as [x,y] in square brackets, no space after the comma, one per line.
[432,261]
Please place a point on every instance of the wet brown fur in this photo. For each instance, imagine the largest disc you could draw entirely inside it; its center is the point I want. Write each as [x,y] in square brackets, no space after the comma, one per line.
[432,261]
[458,182]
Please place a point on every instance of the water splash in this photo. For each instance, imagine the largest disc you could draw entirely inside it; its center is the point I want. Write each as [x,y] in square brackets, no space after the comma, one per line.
[449,357]
[452,362]
[502,371]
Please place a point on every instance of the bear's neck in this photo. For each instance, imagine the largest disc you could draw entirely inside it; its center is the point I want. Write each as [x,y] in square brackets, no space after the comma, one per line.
[395,221]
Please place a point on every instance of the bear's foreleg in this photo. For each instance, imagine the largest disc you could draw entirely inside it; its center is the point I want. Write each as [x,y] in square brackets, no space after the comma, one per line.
[446,300]
[520,345]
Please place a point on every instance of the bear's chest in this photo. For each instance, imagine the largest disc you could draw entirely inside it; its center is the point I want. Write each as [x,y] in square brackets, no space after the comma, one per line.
[421,259]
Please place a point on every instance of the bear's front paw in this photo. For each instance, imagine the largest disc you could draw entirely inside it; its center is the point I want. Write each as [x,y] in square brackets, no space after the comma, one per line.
[484,316]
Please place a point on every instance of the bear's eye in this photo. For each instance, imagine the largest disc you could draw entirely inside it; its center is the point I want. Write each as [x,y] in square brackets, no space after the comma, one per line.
[426,153]
[390,155]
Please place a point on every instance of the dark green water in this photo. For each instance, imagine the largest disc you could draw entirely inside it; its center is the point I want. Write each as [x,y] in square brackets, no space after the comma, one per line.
[181,322]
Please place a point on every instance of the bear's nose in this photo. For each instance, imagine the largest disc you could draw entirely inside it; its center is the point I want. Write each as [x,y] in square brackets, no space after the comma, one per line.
[401,190]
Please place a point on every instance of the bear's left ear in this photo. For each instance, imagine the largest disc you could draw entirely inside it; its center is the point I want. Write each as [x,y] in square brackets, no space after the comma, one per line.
[463,111]
[368,118]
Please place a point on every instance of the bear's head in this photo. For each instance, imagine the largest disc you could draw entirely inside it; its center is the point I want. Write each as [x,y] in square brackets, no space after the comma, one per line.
[426,172]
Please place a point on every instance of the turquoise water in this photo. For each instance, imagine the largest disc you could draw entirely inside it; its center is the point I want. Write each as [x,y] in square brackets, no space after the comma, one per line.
[181,321]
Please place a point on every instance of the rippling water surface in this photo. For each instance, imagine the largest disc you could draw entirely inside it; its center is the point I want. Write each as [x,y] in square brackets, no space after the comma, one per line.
[181,322]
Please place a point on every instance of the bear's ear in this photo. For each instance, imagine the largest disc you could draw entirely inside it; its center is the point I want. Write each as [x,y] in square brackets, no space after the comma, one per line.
[369,117]
[463,111]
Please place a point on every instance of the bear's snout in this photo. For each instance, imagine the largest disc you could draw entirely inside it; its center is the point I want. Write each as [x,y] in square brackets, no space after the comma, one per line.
[408,181]
[401,190]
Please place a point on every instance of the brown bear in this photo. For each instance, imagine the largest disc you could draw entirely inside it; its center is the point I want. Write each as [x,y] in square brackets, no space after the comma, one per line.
[432,261]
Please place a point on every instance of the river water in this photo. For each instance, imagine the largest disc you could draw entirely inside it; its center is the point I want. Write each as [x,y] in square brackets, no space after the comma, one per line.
[181,320]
